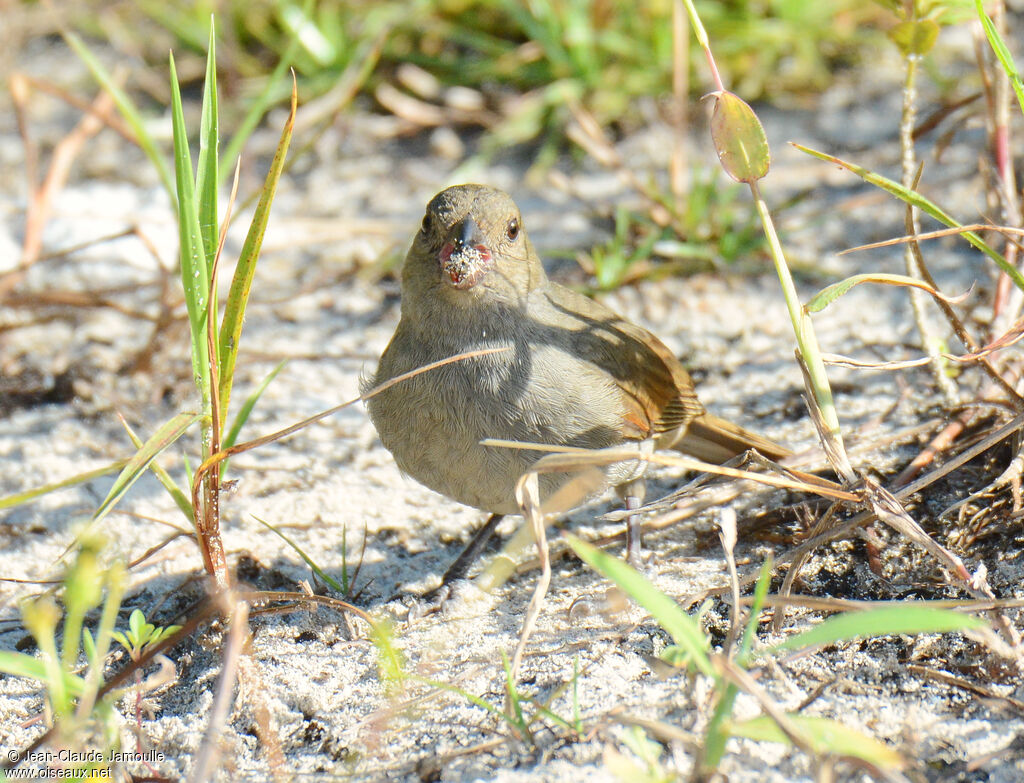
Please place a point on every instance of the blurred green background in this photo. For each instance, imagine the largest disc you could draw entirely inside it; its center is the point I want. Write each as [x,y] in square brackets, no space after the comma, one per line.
[513,75]
[605,52]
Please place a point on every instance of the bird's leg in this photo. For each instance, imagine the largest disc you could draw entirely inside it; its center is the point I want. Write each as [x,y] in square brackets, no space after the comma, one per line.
[471,553]
[633,496]
[434,600]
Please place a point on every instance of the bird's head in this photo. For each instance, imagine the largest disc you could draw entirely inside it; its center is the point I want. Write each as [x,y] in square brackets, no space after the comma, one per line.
[472,246]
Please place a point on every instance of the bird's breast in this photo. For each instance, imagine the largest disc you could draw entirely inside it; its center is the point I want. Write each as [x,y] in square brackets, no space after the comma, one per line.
[531,391]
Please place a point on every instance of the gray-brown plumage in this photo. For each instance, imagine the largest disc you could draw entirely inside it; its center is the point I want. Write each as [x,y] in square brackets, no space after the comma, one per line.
[576,373]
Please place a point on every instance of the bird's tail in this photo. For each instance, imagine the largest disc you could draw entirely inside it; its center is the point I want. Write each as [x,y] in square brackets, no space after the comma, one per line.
[716,440]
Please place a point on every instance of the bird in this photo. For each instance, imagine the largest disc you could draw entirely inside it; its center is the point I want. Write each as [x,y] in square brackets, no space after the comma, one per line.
[569,372]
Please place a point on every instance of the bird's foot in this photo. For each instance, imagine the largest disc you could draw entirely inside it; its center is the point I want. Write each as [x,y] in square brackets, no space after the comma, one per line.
[449,598]
[634,540]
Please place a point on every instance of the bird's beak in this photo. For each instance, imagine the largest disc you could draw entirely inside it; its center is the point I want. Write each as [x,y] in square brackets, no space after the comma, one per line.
[465,257]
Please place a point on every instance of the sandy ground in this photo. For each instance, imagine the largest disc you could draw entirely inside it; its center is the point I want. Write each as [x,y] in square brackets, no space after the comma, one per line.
[357,199]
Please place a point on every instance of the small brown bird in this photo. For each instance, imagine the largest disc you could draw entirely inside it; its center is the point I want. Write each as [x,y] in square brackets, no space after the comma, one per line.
[575,374]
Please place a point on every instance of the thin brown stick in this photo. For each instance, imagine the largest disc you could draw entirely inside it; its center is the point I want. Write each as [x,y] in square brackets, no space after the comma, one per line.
[528,497]
[220,456]
[41,200]
[209,748]
[937,234]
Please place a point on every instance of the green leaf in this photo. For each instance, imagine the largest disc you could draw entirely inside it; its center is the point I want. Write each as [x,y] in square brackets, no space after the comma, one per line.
[206,169]
[718,727]
[513,696]
[825,736]
[241,283]
[181,500]
[127,109]
[20,665]
[907,618]
[250,402]
[332,583]
[88,645]
[828,295]
[162,633]
[739,138]
[195,274]
[917,200]
[139,629]
[681,627]
[137,465]
[764,581]
[1002,53]
[915,37]
[24,497]
[390,659]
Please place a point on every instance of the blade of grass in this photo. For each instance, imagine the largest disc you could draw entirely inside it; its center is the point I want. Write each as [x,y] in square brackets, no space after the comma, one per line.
[390,660]
[764,581]
[180,498]
[681,627]
[332,583]
[825,736]
[718,730]
[195,274]
[1001,52]
[241,283]
[917,200]
[18,664]
[206,169]
[471,698]
[902,619]
[160,440]
[127,109]
[829,294]
[24,497]
[250,402]
[514,701]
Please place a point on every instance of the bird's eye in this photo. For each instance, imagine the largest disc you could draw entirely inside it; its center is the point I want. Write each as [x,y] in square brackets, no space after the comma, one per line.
[427,223]
[513,229]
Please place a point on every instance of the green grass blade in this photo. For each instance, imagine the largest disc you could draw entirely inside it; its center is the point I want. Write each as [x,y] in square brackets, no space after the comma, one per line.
[829,294]
[390,660]
[513,696]
[181,500]
[206,169]
[137,465]
[471,698]
[825,736]
[24,497]
[332,583]
[127,109]
[258,107]
[764,581]
[18,664]
[195,274]
[905,618]
[1002,53]
[250,402]
[681,627]
[915,199]
[241,283]
[717,734]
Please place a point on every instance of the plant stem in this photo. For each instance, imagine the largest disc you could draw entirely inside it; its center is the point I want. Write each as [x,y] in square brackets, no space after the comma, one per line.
[929,342]
[807,342]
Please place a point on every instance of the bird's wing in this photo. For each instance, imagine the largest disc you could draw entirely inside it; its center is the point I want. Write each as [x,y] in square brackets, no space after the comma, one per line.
[658,394]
